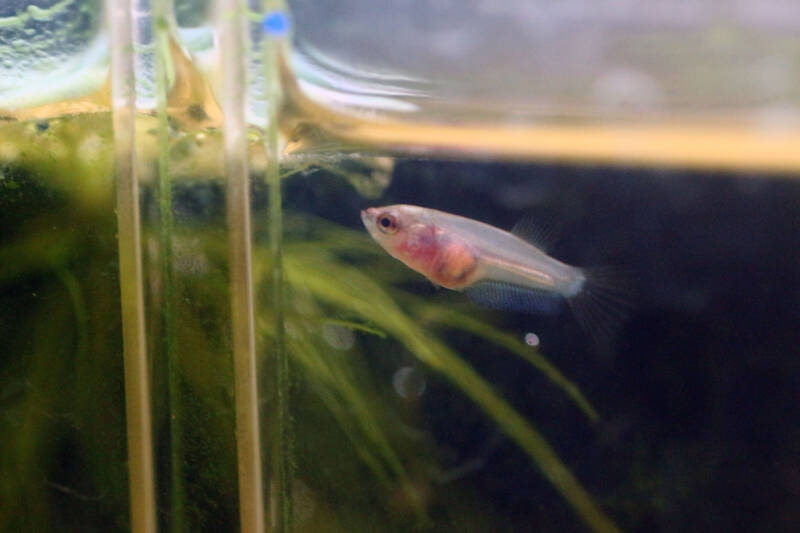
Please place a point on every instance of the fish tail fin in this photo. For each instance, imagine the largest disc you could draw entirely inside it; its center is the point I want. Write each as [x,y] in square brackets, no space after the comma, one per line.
[603,303]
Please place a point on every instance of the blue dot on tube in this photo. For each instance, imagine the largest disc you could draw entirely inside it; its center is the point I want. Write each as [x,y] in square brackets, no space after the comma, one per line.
[275,23]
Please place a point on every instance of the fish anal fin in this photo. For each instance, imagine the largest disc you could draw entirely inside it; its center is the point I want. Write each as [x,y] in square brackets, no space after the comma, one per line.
[509,297]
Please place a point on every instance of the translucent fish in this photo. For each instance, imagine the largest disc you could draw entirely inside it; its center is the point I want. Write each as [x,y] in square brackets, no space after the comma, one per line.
[494,267]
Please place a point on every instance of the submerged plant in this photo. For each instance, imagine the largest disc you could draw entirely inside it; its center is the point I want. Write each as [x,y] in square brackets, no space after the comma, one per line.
[61,391]
[315,267]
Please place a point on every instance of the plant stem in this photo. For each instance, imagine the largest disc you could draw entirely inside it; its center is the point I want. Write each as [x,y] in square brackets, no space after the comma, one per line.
[162,51]
[272,48]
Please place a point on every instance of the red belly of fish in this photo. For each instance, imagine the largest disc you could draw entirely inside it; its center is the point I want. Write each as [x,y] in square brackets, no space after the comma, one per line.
[445,261]
[454,266]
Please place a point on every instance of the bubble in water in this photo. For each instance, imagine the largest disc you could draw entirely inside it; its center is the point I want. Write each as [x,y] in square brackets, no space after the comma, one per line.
[409,383]
[532,339]
[338,337]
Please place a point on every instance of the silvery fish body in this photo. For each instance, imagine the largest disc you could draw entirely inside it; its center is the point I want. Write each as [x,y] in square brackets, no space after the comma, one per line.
[457,252]
[493,266]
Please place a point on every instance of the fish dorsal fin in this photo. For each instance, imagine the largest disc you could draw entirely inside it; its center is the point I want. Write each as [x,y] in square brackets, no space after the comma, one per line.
[509,297]
[538,230]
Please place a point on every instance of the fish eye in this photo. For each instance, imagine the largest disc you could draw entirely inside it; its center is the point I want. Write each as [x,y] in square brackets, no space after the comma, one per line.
[387,223]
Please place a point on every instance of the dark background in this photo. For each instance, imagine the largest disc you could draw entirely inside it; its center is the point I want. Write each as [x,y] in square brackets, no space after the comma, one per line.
[698,393]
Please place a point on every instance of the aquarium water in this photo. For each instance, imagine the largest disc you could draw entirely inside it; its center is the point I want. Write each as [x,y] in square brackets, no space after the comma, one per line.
[198,332]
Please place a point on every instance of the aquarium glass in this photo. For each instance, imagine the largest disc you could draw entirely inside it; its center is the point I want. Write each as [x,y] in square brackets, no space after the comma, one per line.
[206,327]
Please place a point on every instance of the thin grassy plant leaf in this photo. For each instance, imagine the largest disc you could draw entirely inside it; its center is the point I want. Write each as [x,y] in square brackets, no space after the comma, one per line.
[356,417]
[340,239]
[349,289]
[436,314]
[355,326]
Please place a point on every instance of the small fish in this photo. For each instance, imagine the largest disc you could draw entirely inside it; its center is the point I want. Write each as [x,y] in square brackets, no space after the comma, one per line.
[494,267]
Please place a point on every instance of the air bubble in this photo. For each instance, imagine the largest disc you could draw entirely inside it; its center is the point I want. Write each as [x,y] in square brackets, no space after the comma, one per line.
[409,383]
[338,337]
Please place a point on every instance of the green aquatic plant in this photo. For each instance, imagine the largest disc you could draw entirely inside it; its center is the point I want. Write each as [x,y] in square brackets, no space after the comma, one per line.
[314,266]
[59,235]
[62,455]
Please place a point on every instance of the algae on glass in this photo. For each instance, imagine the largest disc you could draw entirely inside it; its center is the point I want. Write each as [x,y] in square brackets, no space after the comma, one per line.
[62,455]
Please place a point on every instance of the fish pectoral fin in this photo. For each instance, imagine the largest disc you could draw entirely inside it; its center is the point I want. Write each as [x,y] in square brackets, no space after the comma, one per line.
[510,297]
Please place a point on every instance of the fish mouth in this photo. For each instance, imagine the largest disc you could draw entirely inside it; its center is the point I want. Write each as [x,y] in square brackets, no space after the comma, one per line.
[368,215]
[368,218]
